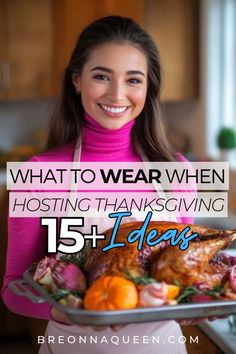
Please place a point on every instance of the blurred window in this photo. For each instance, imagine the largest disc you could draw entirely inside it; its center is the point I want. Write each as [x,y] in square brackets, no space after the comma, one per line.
[220,68]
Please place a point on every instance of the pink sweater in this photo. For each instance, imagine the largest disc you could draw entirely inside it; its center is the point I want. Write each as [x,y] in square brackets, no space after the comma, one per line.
[26,239]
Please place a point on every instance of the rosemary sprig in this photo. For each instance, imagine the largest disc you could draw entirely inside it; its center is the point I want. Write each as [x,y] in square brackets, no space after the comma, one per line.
[33,267]
[140,280]
[61,293]
[180,285]
[186,293]
[216,291]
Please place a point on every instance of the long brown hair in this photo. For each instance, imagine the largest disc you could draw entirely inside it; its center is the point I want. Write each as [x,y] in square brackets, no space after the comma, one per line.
[148,134]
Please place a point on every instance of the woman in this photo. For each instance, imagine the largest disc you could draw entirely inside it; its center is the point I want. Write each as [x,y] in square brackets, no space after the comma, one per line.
[108,111]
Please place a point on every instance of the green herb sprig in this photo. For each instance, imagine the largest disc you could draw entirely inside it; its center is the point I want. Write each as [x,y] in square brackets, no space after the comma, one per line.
[187,292]
[216,291]
[33,267]
[145,280]
[61,293]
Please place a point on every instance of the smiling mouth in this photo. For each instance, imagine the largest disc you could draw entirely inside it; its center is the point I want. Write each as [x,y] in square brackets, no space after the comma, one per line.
[112,109]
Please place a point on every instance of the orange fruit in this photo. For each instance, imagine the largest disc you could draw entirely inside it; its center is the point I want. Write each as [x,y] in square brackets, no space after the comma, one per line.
[111,293]
[173,291]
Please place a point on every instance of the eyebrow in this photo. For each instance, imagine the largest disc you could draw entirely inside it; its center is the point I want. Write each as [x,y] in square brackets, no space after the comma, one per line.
[130,72]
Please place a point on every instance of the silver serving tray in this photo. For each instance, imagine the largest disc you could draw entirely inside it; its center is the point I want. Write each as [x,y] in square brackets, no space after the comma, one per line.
[37,294]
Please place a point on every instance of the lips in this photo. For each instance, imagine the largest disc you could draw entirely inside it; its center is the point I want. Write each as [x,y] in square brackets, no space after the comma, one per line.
[113,109]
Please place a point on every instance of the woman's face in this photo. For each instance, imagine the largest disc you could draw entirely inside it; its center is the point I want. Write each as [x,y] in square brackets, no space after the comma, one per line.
[113,84]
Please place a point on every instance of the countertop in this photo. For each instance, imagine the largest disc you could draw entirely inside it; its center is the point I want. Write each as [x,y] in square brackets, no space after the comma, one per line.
[219,330]
[218,223]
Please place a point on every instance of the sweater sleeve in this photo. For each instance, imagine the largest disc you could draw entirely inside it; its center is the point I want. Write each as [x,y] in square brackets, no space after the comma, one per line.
[26,244]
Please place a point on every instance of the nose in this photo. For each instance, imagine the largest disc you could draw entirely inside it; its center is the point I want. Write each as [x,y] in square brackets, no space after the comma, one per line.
[116,91]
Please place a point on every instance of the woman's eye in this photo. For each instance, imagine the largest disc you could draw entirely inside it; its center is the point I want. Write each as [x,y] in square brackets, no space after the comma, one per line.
[101,77]
[134,81]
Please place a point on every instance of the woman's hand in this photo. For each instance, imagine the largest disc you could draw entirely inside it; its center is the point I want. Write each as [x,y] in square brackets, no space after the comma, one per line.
[114,328]
[195,321]
[59,316]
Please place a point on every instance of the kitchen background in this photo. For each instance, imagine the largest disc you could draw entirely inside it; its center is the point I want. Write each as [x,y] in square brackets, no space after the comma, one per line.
[197,43]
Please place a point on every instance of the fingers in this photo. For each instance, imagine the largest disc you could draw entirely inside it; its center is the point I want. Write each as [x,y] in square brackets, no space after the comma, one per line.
[59,316]
[223,317]
[191,321]
[211,319]
[99,328]
[114,328]
[184,322]
[117,328]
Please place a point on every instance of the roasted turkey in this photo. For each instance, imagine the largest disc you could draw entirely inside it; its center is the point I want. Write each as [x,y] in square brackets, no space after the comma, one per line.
[129,260]
[121,260]
[200,263]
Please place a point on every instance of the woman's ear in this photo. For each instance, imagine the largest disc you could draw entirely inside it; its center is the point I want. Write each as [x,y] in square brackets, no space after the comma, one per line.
[76,82]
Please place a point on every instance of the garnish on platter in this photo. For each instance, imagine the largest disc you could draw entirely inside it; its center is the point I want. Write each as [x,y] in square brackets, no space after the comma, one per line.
[63,280]
[126,278]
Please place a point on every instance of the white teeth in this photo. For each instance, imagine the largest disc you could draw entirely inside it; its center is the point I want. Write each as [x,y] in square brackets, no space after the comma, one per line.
[113,109]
